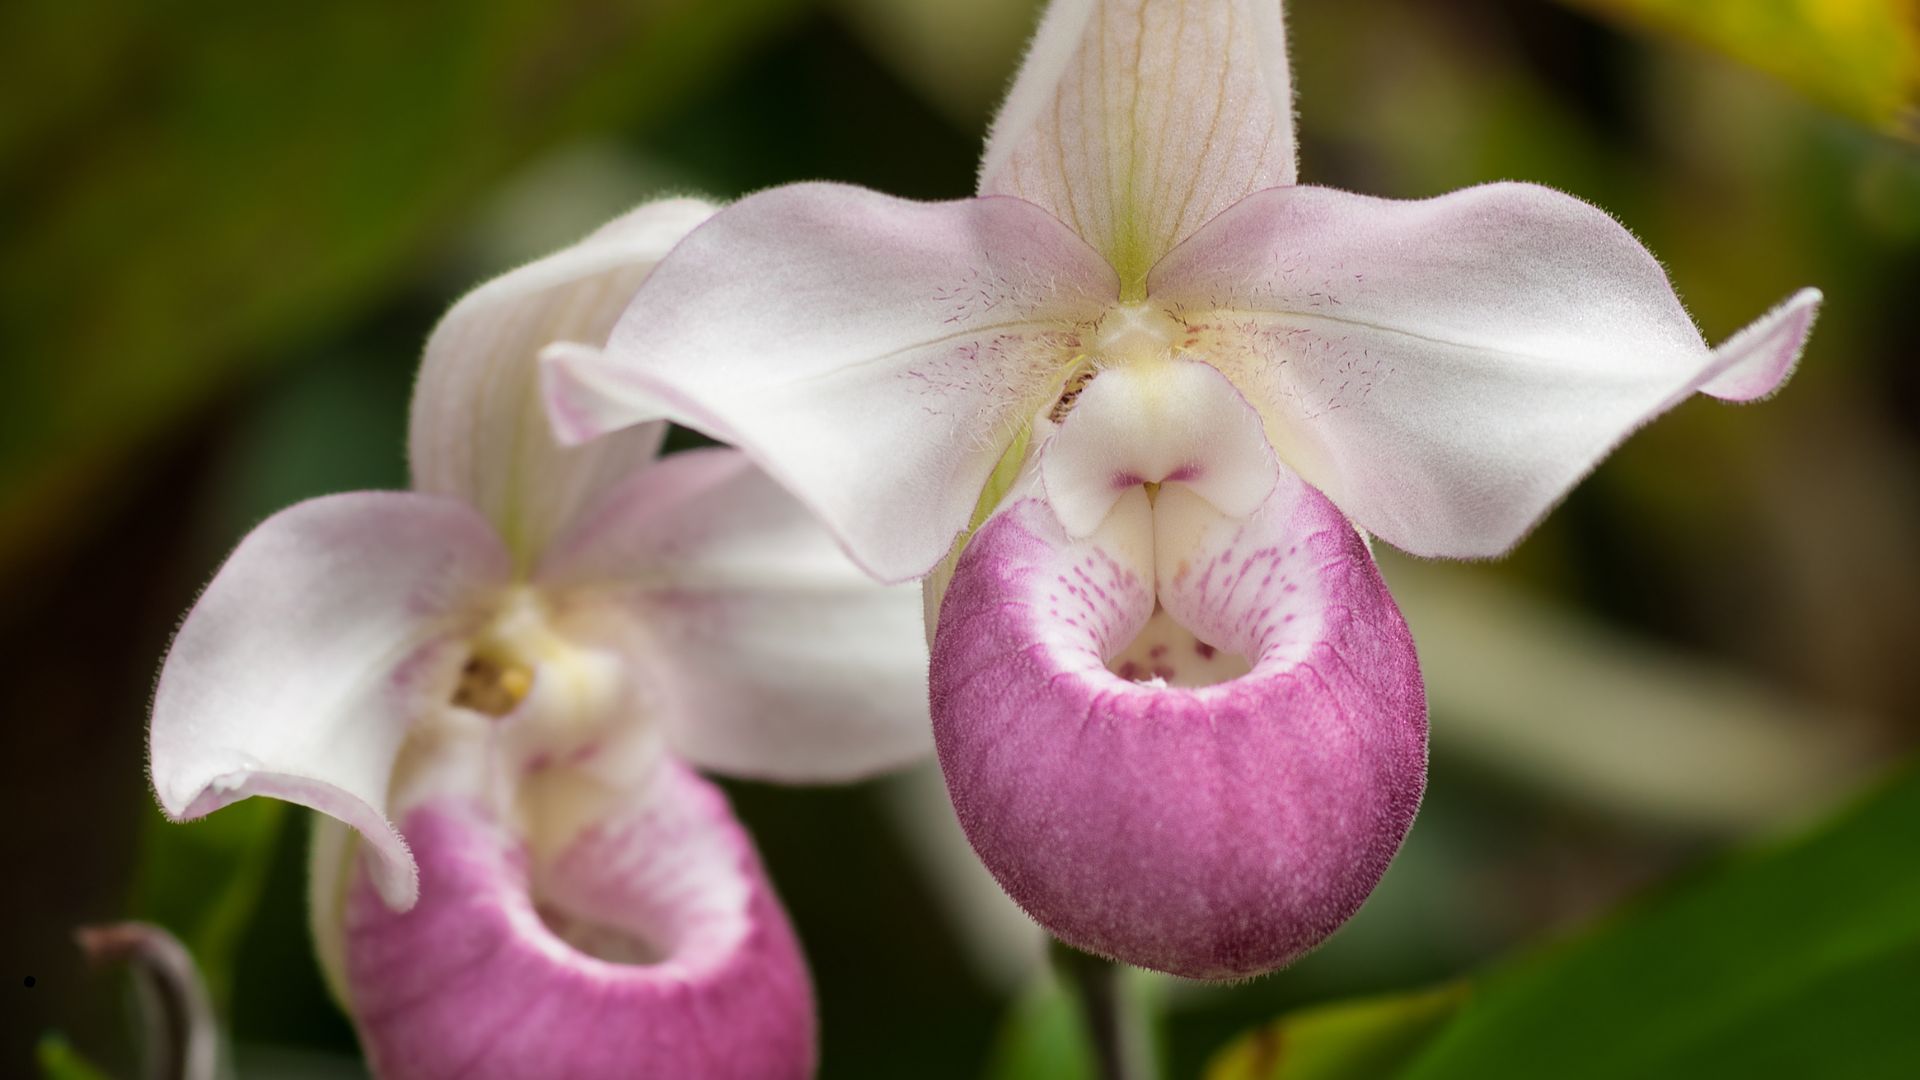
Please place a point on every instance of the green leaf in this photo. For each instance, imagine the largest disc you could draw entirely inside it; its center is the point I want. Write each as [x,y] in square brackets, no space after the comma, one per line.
[1357,1040]
[59,1061]
[1048,1032]
[203,880]
[1861,57]
[1043,1036]
[1797,960]
[1801,960]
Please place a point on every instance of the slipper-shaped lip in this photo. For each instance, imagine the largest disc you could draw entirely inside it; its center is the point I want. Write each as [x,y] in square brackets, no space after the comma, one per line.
[1215,832]
[474,982]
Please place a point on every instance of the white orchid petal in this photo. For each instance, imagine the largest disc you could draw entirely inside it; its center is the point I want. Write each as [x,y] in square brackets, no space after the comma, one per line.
[478,430]
[772,654]
[1758,360]
[1176,422]
[320,641]
[1445,370]
[875,355]
[1136,121]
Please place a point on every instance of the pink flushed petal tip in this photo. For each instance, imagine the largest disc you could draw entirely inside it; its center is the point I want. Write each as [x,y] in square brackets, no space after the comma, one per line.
[706,977]
[1215,832]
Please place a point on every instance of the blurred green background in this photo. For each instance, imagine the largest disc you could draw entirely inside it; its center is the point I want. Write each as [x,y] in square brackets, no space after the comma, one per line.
[228,228]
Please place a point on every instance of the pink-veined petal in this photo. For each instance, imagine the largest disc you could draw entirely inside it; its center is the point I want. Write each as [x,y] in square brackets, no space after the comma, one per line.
[328,631]
[876,355]
[652,945]
[479,431]
[1136,121]
[1212,831]
[771,654]
[1176,422]
[1446,369]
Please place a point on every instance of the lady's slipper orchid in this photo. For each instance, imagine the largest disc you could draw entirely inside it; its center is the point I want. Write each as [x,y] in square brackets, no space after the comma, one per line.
[495,678]
[1153,385]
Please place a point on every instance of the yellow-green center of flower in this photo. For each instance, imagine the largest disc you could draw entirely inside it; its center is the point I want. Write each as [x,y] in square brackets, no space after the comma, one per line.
[522,665]
[1136,333]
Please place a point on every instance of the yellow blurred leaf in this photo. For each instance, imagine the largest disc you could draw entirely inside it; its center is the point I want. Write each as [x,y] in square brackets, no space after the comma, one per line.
[1349,1040]
[1861,57]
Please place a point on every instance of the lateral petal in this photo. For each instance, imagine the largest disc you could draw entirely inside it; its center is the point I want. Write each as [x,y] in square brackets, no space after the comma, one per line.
[1136,121]
[1212,831]
[769,653]
[875,355]
[327,633]
[652,946]
[1446,369]
[479,430]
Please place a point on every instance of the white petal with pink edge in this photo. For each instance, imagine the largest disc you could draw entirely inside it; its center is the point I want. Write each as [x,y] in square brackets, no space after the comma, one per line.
[1446,369]
[479,431]
[1136,121]
[328,632]
[875,355]
[768,652]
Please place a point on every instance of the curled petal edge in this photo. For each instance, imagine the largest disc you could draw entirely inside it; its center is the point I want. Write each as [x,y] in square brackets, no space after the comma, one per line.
[327,633]
[1446,369]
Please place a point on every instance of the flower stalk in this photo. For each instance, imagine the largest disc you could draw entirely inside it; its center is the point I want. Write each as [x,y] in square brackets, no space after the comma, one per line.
[180,1039]
[1116,1022]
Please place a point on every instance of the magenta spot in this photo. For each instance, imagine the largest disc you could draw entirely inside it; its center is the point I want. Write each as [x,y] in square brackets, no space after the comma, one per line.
[1184,474]
[1163,671]
[1130,670]
[1124,480]
[1157,652]
[1205,650]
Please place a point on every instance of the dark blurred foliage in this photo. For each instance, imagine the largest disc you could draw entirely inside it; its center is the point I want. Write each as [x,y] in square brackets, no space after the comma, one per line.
[229,228]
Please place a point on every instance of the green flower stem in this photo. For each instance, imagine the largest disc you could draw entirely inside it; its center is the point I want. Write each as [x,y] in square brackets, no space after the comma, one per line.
[1116,1025]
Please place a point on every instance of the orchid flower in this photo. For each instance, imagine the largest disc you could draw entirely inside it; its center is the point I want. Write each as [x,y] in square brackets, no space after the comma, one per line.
[499,681]
[1140,402]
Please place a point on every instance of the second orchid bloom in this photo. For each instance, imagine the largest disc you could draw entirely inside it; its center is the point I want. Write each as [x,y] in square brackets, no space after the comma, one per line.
[1131,412]
[496,687]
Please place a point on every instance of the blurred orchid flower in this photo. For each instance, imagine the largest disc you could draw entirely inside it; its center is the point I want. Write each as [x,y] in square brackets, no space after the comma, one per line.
[1156,388]
[498,681]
